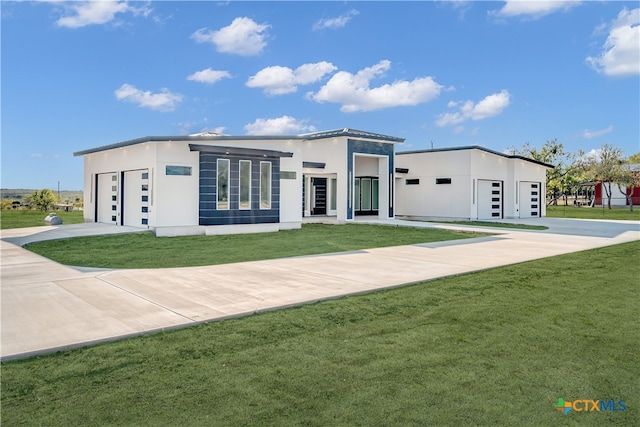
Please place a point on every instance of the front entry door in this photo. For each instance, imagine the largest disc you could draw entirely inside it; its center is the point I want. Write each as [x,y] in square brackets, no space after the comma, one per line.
[319,188]
[366,196]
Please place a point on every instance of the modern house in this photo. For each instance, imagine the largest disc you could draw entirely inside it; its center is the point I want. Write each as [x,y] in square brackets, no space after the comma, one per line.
[469,183]
[217,184]
[213,183]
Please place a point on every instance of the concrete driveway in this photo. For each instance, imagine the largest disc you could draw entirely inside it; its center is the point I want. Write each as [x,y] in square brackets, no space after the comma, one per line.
[47,306]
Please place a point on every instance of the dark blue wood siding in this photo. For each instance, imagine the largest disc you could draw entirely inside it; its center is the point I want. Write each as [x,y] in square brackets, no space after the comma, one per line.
[210,215]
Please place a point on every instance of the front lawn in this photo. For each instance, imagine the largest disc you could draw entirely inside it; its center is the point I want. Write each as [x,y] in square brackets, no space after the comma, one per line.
[144,250]
[33,218]
[492,348]
[584,212]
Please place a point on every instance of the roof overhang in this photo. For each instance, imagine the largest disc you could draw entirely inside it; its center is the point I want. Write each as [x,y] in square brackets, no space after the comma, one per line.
[238,151]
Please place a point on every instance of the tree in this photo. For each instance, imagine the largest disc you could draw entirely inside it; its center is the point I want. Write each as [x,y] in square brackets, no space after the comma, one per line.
[604,167]
[634,158]
[44,199]
[628,181]
[560,180]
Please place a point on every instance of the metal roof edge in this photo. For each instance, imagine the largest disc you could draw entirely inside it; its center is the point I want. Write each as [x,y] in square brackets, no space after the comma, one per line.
[194,138]
[477,147]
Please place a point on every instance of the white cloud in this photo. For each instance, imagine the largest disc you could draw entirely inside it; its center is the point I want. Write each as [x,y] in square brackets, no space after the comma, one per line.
[81,14]
[332,23]
[534,9]
[354,93]
[208,76]
[284,125]
[490,106]
[242,37]
[621,51]
[279,80]
[165,100]
[596,133]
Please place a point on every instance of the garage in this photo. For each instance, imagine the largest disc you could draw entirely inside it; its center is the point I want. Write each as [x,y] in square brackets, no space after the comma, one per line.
[530,199]
[489,199]
[123,198]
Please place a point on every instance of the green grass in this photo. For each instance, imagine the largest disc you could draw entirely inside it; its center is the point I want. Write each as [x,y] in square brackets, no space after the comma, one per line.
[144,250]
[497,347]
[617,213]
[496,225]
[22,218]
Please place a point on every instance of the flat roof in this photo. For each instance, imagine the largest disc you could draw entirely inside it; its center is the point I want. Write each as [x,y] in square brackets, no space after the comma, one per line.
[478,147]
[353,133]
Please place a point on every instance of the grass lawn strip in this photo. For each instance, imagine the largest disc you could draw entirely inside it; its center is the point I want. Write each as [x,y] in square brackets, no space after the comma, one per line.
[144,250]
[23,219]
[497,347]
[617,213]
[495,225]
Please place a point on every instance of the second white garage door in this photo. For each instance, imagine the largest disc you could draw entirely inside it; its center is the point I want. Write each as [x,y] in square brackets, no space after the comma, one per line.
[530,199]
[136,198]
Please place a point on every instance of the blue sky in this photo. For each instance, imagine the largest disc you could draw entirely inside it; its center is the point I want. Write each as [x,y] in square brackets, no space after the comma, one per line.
[77,75]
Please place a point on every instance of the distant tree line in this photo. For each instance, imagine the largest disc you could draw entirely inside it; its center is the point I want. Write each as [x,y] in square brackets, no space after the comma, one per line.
[44,200]
[607,166]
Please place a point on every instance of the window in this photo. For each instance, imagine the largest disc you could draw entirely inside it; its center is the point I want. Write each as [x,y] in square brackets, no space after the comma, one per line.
[287,174]
[334,195]
[495,192]
[114,188]
[145,198]
[443,180]
[223,183]
[245,184]
[114,198]
[145,221]
[366,194]
[145,175]
[145,187]
[412,182]
[113,218]
[495,199]
[265,185]
[177,170]
[114,207]
[114,177]
[495,184]
[356,192]
[375,186]
[145,209]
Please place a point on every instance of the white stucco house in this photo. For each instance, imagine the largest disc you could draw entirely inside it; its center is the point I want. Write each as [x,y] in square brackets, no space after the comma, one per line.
[469,183]
[213,184]
[218,184]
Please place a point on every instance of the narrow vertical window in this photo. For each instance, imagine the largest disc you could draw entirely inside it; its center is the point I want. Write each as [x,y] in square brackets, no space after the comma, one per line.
[334,194]
[245,184]
[375,197]
[356,195]
[365,190]
[265,185]
[223,183]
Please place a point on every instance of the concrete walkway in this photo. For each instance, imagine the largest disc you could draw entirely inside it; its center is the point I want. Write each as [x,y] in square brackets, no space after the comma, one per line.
[47,306]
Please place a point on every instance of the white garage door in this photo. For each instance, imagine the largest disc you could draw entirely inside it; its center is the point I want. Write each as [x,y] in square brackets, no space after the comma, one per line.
[107,198]
[136,198]
[489,199]
[530,199]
